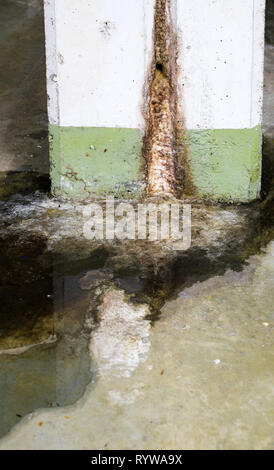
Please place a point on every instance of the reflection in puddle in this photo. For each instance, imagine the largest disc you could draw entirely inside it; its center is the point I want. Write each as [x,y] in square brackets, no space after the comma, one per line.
[44,342]
[73,312]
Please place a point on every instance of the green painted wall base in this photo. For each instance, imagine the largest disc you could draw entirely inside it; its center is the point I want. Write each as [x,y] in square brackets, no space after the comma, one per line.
[220,164]
[224,164]
[88,161]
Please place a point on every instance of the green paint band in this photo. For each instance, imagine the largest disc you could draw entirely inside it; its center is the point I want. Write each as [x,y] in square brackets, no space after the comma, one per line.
[96,161]
[221,164]
[224,164]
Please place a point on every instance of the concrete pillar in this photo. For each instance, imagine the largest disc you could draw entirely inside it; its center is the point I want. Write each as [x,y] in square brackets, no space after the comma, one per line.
[99,66]
[221,52]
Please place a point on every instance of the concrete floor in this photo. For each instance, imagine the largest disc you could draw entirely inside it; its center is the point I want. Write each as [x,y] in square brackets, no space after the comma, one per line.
[169,349]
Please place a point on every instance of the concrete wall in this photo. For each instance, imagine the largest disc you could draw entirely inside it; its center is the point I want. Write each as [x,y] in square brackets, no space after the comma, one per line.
[98,60]
[221,79]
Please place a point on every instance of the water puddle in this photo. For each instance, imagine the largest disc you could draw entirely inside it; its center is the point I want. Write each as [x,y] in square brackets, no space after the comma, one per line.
[55,285]
[44,341]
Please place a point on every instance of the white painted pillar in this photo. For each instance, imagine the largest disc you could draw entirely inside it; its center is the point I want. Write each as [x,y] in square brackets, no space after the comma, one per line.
[99,54]
[221,53]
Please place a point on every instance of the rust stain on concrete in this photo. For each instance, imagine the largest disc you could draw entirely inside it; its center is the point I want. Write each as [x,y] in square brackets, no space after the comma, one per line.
[160,138]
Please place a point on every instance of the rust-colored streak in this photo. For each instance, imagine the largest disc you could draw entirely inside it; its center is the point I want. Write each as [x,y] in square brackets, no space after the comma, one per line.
[160,138]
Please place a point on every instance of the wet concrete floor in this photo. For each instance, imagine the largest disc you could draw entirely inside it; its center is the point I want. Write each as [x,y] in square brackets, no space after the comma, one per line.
[133,344]
[136,344]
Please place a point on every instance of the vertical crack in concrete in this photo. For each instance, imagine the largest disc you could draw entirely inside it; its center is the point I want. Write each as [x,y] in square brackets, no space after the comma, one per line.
[160,134]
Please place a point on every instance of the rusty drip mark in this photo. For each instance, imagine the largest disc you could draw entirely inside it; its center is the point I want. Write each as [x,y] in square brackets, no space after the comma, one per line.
[160,135]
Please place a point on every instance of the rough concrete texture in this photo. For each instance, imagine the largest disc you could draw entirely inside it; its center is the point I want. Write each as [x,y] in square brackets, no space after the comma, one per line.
[135,344]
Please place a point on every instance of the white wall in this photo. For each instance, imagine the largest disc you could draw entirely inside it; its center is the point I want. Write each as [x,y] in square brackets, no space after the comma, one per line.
[98,55]
[221,62]
[100,68]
